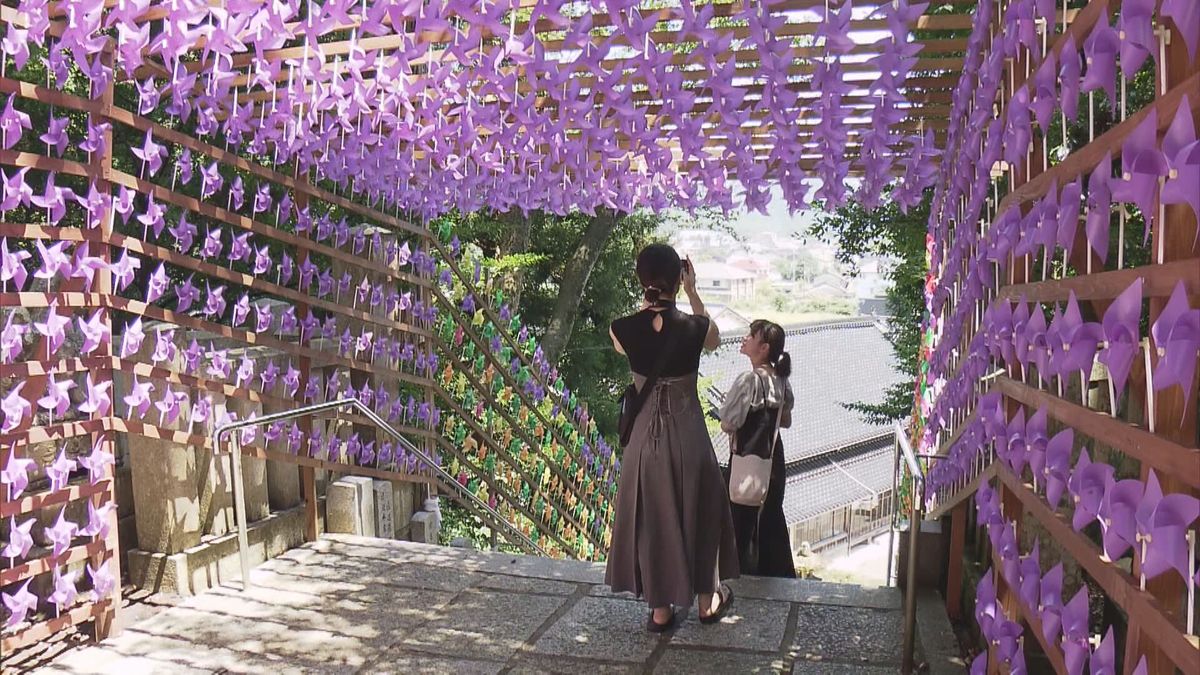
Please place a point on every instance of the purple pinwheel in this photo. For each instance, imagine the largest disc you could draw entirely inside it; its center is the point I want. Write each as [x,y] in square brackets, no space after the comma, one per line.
[97,521]
[124,269]
[132,338]
[218,363]
[262,199]
[19,604]
[169,406]
[15,191]
[86,266]
[1044,94]
[291,381]
[1087,485]
[1121,499]
[1142,165]
[262,260]
[12,266]
[1035,445]
[95,332]
[1120,326]
[268,376]
[123,204]
[241,310]
[1135,31]
[96,462]
[245,372]
[55,261]
[152,154]
[1182,152]
[1075,632]
[1103,660]
[1067,215]
[54,199]
[153,219]
[102,581]
[19,539]
[1186,16]
[184,233]
[1078,341]
[56,135]
[237,193]
[239,248]
[191,357]
[1100,54]
[53,328]
[262,318]
[12,121]
[1161,524]
[212,244]
[15,408]
[57,400]
[138,398]
[1058,465]
[60,534]
[164,346]
[157,284]
[64,589]
[1099,207]
[16,472]
[1049,605]
[186,294]
[210,180]
[1176,338]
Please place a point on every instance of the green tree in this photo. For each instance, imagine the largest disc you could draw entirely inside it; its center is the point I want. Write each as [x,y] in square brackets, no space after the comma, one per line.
[541,256]
[856,232]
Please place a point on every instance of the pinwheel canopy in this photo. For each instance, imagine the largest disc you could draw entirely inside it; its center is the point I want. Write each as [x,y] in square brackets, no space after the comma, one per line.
[524,104]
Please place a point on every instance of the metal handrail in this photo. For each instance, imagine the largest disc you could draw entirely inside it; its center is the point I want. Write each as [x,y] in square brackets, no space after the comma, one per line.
[239,488]
[903,449]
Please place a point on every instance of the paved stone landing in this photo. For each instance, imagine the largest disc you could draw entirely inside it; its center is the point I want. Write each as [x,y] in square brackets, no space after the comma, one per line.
[350,604]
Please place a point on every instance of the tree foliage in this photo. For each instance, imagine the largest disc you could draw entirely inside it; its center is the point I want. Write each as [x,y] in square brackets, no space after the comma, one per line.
[589,364]
[887,231]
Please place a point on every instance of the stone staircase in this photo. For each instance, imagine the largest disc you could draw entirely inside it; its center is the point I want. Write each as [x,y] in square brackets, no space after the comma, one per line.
[357,604]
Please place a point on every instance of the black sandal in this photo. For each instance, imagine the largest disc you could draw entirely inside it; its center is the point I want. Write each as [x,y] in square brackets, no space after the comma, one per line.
[656,627]
[726,594]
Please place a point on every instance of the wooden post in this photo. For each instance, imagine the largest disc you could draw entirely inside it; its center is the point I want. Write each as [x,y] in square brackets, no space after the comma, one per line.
[954,571]
[1172,418]
[99,166]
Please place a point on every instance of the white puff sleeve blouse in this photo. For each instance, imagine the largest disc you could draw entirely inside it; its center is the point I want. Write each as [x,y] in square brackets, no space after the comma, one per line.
[751,391]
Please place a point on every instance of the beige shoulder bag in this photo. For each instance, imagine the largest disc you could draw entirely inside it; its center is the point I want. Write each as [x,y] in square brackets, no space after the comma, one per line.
[750,475]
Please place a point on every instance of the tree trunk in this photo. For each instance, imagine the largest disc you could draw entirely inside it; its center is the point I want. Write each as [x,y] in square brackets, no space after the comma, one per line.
[519,243]
[574,281]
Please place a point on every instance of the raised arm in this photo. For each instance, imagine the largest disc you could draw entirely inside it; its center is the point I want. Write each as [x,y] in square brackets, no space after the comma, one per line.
[712,339]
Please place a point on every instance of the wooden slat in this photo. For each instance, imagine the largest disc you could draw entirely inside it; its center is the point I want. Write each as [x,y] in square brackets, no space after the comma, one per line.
[1166,456]
[32,568]
[1029,615]
[32,502]
[42,630]
[1117,584]
[262,284]
[1086,158]
[965,492]
[1158,282]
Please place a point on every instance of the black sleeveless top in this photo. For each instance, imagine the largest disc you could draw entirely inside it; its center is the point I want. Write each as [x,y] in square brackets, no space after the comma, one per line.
[642,344]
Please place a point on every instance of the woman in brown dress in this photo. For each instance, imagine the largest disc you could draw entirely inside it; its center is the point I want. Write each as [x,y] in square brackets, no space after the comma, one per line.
[673,536]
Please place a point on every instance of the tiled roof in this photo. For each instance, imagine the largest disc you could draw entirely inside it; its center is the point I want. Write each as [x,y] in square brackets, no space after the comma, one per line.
[832,363]
[822,484]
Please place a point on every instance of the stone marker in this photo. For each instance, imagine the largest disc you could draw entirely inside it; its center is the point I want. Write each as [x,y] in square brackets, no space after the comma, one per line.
[385,519]
[425,527]
[350,506]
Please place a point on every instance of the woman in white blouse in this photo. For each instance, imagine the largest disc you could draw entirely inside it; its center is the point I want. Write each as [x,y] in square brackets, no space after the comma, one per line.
[757,400]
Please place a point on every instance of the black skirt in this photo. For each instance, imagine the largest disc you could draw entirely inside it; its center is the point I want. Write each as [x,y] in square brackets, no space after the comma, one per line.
[764,545]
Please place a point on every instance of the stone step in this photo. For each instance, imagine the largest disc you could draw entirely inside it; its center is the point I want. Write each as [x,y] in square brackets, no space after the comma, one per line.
[350,603]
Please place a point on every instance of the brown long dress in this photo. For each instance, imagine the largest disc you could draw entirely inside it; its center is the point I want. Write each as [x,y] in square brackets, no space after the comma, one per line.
[673,535]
